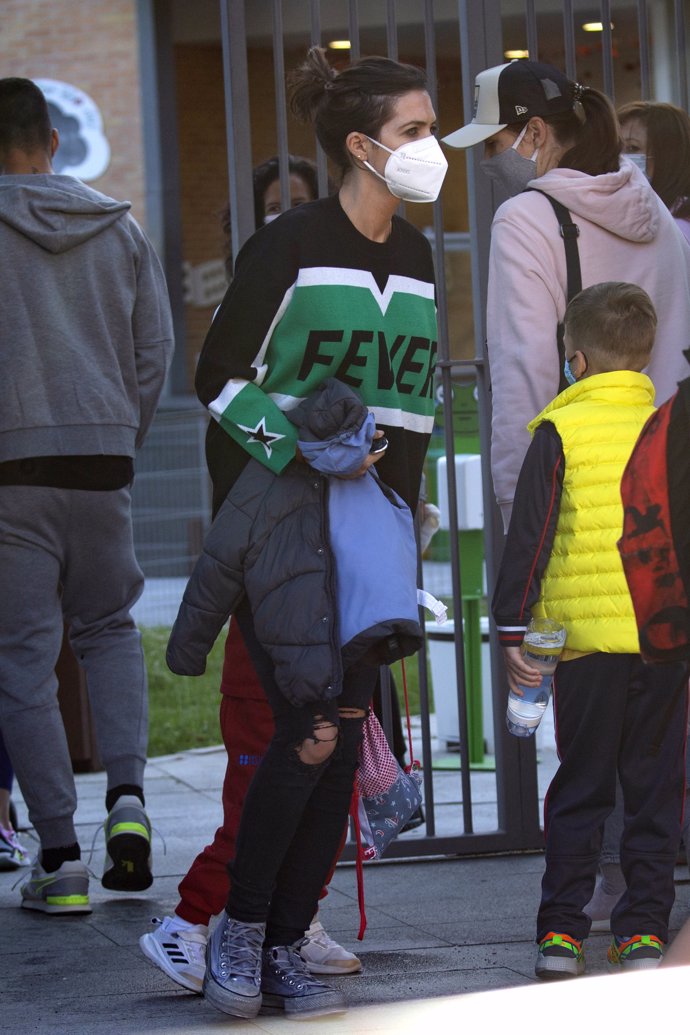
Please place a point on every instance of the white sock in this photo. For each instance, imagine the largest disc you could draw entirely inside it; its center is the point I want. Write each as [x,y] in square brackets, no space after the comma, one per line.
[176,923]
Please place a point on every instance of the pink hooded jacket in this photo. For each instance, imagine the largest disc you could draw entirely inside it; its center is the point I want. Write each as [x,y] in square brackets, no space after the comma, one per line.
[627,234]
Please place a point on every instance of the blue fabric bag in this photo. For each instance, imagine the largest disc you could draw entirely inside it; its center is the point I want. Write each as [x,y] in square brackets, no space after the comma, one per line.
[387,795]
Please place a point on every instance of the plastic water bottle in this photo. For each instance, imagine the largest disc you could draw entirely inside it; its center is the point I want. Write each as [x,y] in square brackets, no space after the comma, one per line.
[541,648]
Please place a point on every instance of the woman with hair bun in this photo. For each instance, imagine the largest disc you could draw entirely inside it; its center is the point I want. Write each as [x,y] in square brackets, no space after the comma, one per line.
[549,139]
[337,288]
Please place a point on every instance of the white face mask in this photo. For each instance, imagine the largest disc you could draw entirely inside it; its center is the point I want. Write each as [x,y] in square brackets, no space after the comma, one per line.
[510,169]
[414,171]
[271,216]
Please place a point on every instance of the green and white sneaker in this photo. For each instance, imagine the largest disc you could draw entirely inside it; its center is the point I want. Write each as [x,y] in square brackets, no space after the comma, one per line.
[64,891]
[641,952]
[559,956]
[128,846]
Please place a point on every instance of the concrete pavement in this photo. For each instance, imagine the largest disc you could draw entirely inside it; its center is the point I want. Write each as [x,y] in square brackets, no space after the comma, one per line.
[439,928]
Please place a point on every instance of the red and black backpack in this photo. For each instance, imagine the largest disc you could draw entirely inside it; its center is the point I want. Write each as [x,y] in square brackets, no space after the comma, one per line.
[655,545]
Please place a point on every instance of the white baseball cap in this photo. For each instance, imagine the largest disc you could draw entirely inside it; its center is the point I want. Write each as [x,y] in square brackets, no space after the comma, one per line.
[511,93]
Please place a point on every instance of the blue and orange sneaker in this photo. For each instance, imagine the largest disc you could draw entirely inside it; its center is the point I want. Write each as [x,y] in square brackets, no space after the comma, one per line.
[641,952]
[559,956]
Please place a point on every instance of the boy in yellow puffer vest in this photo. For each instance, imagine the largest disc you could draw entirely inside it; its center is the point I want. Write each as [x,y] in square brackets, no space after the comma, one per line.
[613,712]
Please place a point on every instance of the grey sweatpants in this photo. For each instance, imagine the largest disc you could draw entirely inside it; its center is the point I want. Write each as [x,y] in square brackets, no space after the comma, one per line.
[68,552]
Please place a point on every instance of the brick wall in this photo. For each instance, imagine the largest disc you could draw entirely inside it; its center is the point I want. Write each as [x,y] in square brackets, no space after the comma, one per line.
[203,170]
[93,46]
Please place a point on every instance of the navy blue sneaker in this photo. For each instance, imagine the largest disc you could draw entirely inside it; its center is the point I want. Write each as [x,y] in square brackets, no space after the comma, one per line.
[232,982]
[288,987]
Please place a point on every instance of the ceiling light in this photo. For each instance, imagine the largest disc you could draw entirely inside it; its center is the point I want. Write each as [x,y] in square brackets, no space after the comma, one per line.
[594,26]
[512,55]
[339,45]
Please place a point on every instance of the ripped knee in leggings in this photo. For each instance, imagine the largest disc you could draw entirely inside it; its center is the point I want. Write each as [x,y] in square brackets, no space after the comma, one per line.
[352,713]
[318,749]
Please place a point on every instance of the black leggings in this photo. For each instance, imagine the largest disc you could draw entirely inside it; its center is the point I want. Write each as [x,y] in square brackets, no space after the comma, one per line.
[294,813]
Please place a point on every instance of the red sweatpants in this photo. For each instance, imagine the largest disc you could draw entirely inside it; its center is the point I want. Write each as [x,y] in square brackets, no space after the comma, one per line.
[246,725]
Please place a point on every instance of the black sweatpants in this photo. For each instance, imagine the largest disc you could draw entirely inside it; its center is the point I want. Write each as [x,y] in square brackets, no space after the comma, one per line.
[294,814]
[614,713]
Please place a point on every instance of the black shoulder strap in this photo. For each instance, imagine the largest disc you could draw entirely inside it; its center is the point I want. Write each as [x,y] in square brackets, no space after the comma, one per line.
[569,232]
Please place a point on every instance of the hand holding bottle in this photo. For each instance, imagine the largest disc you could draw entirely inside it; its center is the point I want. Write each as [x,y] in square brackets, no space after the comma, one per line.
[519,671]
[530,675]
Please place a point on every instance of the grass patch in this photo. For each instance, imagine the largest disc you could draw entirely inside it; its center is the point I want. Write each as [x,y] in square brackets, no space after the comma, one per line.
[183,710]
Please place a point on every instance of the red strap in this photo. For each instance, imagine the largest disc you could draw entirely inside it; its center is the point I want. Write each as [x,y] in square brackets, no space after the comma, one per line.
[354,813]
[414,764]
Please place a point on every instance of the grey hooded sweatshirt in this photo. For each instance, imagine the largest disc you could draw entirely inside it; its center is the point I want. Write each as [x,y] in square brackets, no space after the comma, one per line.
[85,323]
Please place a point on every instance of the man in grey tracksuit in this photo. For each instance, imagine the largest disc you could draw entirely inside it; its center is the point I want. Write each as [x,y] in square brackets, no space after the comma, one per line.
[85,342]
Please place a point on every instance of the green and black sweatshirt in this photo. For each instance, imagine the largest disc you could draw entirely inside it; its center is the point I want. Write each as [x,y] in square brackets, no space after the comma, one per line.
[313,298]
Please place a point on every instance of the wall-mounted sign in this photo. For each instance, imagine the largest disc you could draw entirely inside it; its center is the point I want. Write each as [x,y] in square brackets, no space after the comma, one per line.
[205,284]
[84,151]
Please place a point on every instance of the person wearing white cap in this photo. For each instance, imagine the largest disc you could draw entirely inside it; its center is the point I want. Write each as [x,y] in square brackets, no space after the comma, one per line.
[545,132]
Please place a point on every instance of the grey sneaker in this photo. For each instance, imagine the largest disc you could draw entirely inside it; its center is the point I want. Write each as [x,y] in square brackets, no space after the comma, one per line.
[232,982]
[600,906]
[288,986]
[128,846]
[66,890]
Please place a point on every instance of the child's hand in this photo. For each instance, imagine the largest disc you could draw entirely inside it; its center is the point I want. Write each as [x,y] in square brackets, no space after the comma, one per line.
[372,458]
[519,671]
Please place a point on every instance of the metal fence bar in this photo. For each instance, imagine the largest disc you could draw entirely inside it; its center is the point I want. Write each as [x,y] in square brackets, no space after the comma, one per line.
[353,29]
[679,23]
[439,257]
[321,164]
[531,26]
[607,48]
[569,40]
[447,388]
[236,82]
[281,106]
[391,30]
[643,33]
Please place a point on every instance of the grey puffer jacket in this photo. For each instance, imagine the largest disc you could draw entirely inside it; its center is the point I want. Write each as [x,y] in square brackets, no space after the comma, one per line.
[270,540]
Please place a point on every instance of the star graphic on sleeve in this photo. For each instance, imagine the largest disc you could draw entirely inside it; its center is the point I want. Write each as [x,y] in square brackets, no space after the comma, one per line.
[260,434]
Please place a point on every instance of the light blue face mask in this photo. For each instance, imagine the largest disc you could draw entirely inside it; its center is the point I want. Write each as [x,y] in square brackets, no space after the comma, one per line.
[640,161]
[568,374]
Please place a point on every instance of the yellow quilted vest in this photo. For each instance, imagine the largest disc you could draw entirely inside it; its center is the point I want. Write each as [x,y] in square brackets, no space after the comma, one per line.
[584,587]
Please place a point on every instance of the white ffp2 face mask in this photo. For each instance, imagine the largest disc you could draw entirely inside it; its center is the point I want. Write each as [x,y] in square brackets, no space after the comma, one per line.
[414,171]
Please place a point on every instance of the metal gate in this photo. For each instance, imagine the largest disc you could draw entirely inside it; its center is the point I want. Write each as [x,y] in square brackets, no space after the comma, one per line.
[631,51]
